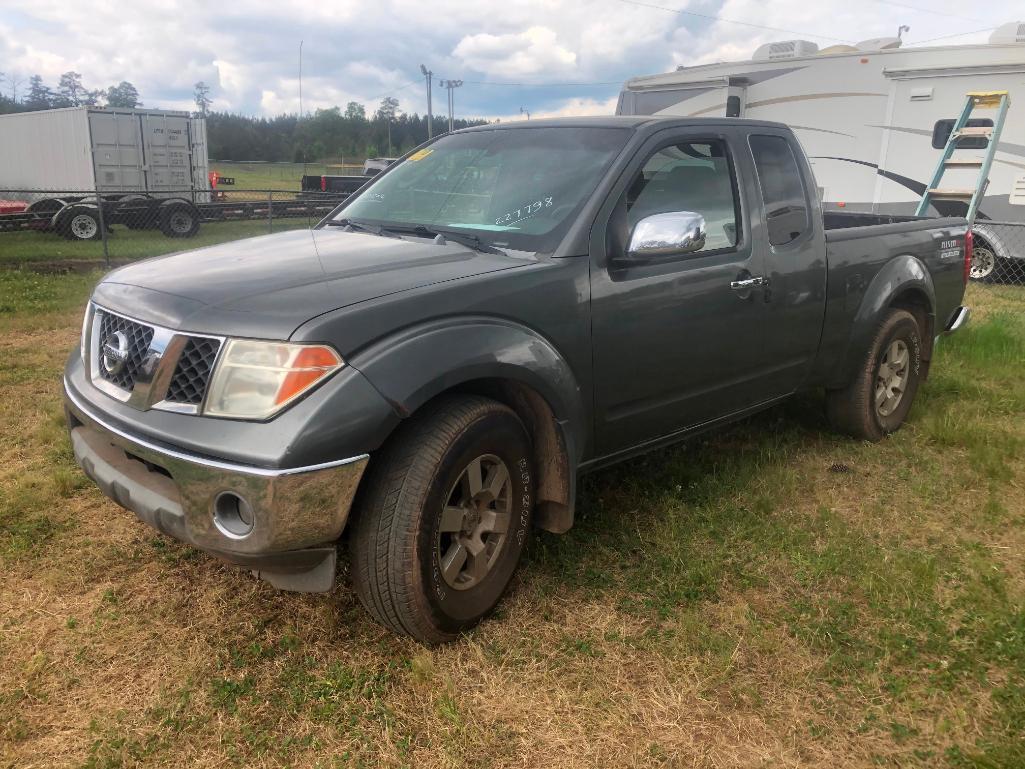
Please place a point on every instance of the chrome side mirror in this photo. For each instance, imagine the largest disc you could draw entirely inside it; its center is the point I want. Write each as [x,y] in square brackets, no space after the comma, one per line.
[669,234]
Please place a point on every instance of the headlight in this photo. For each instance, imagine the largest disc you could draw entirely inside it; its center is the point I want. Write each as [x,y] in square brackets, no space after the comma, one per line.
[254,380]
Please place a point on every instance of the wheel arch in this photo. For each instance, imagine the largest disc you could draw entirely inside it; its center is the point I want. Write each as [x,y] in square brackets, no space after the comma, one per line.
[903,283]
[504,361]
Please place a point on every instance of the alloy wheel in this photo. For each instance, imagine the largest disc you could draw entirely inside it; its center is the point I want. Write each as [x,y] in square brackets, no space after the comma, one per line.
[475,522]
[892,377]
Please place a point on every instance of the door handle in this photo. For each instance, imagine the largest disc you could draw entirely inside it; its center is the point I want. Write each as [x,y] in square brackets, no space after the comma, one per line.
[746,283]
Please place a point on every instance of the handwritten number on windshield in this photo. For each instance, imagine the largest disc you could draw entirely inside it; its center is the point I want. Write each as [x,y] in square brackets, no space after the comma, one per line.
[524,212]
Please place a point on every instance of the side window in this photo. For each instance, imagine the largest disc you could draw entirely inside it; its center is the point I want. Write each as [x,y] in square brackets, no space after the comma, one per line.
[693,176]
[779,177]
[941,134]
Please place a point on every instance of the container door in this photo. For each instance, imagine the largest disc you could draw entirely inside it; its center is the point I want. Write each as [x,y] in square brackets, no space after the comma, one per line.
[200,161]
[168,156]
[117,155]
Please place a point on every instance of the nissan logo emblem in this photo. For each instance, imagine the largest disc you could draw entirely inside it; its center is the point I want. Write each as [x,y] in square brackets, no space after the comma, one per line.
[115,352]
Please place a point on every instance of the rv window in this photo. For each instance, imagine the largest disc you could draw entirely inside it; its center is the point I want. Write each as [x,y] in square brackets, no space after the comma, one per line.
[779,177]
[941,134]
[693,176]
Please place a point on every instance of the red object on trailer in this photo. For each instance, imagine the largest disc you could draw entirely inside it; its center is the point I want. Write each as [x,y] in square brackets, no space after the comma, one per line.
[12,206]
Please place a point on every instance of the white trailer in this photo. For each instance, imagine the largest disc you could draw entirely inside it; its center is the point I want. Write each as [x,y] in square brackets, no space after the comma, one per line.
[148,167]
[103,149]
[873,118]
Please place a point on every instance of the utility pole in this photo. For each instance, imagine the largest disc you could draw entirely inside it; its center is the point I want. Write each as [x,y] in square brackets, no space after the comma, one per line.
[525,112]
[430,113]
[451,85]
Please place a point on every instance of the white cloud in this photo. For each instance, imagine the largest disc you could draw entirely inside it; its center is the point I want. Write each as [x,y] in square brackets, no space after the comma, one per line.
[247,50]
[534,51]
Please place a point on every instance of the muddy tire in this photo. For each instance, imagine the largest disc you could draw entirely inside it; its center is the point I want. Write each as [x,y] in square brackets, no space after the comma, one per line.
[880,395]
[443,518]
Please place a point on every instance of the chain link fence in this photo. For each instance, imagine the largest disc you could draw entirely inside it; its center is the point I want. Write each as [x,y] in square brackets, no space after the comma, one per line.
[80,227]
[999,254]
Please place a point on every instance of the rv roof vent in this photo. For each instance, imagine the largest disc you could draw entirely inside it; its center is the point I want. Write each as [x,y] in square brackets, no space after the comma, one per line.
[879,44]
[1012,32]
[837,49]
[787,49]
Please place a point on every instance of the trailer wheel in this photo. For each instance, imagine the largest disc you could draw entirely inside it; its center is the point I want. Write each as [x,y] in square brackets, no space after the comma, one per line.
[81,223]
[984,264]
[179,221]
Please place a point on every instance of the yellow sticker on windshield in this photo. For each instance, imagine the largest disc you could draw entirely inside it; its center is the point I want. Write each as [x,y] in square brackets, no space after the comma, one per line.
[419,155]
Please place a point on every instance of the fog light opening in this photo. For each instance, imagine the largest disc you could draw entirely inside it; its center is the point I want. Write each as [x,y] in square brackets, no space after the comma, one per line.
[233,516]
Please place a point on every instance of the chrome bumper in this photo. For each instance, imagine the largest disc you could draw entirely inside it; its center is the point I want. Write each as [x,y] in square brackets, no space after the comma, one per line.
[295,514]
[958,319]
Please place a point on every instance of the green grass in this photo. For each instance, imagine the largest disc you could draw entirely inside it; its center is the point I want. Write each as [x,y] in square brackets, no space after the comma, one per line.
[276,176]
[771,594]
[123,243]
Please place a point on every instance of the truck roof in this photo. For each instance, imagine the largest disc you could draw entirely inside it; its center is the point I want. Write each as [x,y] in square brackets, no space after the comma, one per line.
[636,122]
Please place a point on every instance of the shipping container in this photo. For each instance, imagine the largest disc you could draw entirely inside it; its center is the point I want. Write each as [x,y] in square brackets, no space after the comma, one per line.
[158,152]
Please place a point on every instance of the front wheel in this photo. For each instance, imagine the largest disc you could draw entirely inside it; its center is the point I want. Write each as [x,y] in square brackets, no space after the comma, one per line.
[879,397]
[444,518]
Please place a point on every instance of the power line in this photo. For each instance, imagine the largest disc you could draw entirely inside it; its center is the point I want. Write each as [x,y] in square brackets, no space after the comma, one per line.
[733,21]
[956,34]
[925,10]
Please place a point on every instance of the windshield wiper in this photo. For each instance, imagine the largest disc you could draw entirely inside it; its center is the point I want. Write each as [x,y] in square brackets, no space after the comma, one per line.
[470,241]
[353,226]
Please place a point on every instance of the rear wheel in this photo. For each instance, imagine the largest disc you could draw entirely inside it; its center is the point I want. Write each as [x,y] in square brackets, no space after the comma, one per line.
[443,519]
[879,397]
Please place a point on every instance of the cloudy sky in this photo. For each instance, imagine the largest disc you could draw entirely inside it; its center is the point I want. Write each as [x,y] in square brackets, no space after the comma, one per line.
[548,56]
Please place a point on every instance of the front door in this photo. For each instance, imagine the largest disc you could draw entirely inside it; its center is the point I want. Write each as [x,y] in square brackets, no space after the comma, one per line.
[677,340]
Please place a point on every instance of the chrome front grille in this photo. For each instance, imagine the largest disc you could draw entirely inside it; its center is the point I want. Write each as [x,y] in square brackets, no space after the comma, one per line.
[123,344]
[148,366]
[192,374]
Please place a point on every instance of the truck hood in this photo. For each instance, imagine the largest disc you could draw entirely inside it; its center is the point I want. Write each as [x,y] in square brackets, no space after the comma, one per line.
[268,286]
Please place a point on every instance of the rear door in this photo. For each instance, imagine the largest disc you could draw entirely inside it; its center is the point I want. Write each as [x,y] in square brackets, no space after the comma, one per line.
[675,344]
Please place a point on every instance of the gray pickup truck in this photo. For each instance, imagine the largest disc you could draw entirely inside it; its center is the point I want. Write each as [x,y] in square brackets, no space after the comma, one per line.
[424,374]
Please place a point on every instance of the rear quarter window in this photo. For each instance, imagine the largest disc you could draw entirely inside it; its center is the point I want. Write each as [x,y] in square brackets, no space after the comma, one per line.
[783,195]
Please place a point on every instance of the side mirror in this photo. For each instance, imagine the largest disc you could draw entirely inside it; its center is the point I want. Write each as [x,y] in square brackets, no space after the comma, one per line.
[670,234]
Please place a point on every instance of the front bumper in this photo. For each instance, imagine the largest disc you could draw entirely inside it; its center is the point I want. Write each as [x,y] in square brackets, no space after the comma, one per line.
[295,514]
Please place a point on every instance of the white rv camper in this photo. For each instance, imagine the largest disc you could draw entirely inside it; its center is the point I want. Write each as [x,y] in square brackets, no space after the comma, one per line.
[873,118]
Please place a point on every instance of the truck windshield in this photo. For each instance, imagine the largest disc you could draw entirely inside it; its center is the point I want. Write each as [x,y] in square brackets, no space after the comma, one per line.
[514,187]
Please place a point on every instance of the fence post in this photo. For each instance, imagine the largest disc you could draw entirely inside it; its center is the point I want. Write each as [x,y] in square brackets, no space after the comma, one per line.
[270,211]
[103,229]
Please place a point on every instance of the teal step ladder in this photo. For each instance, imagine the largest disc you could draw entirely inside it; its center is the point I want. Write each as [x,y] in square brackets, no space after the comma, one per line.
[998,100]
